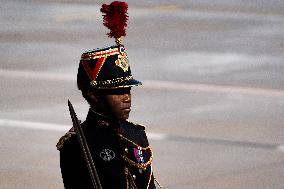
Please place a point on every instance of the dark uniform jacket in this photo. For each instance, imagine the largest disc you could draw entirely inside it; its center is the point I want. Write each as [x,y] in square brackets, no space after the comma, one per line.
[120,150]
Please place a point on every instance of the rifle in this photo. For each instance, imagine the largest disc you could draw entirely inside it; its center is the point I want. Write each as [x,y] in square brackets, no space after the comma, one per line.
[85,148]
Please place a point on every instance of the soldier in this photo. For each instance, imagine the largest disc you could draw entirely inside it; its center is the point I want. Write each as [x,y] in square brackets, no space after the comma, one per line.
[119,148]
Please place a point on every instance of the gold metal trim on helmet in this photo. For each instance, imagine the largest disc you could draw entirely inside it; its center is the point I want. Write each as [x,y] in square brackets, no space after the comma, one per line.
[98,54]
[111,83]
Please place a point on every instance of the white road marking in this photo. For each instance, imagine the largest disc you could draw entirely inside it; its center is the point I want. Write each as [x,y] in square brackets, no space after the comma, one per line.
[152,136]
[280,148]
[37,75]
[56,127]
[179,86]
[157,136]
[34,125]
[153,84]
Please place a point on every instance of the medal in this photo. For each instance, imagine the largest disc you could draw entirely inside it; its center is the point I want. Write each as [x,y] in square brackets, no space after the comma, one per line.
[138,153]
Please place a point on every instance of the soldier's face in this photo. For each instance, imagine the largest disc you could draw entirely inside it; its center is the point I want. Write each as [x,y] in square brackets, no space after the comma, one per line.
[118,103]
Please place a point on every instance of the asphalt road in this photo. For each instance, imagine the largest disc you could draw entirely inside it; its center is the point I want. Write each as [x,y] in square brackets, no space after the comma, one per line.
[212,97]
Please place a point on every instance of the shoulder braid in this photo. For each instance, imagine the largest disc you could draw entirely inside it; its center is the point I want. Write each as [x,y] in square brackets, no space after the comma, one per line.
[65,138]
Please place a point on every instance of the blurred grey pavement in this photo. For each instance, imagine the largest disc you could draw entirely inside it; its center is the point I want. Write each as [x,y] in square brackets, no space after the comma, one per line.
[212,97]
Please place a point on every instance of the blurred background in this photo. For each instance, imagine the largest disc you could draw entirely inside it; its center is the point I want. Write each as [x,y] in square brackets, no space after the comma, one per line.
[212,98]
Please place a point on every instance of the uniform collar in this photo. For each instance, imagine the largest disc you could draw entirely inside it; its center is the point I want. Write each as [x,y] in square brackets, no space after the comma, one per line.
[101,120]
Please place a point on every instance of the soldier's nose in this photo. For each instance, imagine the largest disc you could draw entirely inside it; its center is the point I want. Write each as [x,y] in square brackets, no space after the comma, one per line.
[126,98]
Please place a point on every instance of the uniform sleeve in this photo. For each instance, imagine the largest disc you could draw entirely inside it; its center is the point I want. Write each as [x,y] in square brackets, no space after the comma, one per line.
[73,167]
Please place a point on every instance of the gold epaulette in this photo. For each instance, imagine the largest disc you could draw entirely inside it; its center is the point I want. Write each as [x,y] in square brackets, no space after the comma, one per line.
[65,138]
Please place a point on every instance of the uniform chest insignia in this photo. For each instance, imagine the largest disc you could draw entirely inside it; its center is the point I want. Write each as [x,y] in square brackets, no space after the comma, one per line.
[107,154]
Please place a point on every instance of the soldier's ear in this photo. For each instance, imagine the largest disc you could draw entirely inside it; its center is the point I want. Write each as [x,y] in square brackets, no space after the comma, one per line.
[92,97]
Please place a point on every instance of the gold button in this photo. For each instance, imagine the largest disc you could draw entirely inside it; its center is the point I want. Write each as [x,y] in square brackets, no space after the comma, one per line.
[134,177]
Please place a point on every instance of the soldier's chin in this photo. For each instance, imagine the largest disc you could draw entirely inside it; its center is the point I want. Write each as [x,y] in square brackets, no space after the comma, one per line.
[124,116]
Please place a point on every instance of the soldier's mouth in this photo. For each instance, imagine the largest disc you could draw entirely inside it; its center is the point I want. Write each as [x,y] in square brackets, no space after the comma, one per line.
[126,109]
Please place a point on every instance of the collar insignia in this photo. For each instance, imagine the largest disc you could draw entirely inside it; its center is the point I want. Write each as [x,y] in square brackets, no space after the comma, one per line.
[103,123]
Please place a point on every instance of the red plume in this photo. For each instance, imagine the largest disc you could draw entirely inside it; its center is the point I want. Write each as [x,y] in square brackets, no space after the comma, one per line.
[115,18]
